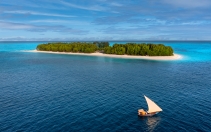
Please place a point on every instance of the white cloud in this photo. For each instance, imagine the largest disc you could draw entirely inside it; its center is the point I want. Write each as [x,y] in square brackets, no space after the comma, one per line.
[115,4]
[40,28]
[196,23]
[13,26]
[188,3]
[72,22]
[13,38]
[36,13]
[92,8]
[26,3]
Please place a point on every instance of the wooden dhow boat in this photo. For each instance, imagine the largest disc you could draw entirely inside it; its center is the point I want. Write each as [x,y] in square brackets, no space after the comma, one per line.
[153,108]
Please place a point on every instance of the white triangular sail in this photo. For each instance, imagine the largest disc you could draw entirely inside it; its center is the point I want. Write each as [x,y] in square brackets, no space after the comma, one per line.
[152,107]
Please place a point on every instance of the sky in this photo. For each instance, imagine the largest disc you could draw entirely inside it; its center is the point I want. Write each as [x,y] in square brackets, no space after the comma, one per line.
[101,20]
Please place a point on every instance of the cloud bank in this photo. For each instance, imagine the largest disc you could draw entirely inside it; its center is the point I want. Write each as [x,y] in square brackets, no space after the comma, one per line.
[106,19]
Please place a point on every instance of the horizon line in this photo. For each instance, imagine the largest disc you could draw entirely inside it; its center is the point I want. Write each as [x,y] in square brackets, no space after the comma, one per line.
[95,40]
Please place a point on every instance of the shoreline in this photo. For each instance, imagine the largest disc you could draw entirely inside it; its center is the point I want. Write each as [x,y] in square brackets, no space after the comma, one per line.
[174,57]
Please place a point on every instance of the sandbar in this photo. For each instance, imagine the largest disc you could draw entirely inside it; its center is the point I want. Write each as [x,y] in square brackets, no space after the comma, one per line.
[174,57]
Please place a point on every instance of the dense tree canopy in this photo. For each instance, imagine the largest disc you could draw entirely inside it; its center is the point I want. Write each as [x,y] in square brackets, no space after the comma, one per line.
[142,49]
[101,45]
[81,47]
[139,49]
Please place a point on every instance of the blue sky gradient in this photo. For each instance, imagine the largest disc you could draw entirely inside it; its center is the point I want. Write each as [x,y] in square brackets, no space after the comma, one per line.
[95,20]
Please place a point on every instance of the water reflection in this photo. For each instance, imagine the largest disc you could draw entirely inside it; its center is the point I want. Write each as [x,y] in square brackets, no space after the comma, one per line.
[151,122]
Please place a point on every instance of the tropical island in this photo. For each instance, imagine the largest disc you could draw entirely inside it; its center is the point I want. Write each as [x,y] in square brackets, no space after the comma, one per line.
[147,51]
[133,49]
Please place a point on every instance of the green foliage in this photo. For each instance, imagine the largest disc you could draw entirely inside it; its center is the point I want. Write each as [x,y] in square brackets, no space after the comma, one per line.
[139,49]
[142,49]
[101,45]
[77,47]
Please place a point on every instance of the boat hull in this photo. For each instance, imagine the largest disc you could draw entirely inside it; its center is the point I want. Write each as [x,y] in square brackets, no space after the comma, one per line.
[147,114]
[141,112]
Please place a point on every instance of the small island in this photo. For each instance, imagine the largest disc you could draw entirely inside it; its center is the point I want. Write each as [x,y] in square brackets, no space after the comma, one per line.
[103,49]
[132,49]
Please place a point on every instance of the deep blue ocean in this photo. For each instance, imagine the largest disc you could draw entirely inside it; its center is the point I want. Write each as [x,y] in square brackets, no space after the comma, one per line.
[50,92]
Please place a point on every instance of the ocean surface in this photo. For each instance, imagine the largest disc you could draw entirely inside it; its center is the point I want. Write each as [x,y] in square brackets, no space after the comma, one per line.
[51,92]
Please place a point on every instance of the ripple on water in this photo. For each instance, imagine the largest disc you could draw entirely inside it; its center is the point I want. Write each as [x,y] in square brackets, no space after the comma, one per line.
[45,92]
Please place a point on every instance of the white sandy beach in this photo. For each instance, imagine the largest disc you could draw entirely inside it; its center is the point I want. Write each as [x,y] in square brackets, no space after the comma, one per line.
[174,57]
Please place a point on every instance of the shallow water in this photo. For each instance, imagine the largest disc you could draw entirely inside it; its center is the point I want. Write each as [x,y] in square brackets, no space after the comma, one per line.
[51,92]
